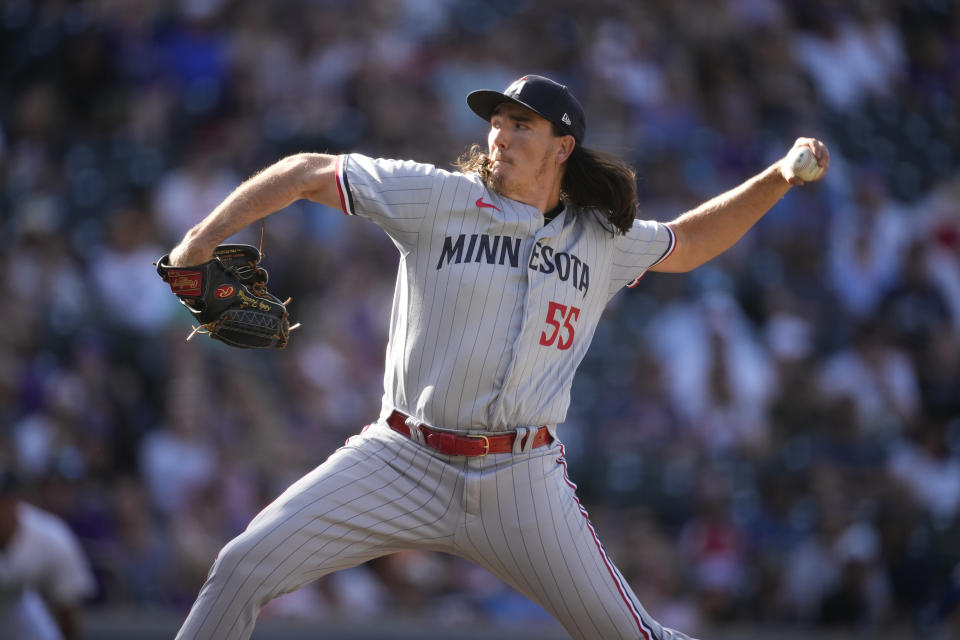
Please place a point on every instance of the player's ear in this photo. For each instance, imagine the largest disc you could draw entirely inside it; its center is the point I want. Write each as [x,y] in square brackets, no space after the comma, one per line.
[564,148]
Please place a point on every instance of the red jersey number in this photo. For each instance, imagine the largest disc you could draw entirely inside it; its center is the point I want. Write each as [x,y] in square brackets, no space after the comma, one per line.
[562,334]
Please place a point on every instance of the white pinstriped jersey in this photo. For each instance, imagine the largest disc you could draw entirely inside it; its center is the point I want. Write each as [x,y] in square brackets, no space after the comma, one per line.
[493,310]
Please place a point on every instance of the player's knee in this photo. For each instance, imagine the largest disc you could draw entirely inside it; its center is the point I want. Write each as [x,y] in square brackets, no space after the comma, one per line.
[238,555]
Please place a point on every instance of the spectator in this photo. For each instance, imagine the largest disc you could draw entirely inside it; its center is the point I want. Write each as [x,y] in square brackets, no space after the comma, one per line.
[924,466]
[850,57]
[130,249]
[914,310]
[179,460]
[868,241]
[861,595]
[45,571]
[717,370]
[878,378]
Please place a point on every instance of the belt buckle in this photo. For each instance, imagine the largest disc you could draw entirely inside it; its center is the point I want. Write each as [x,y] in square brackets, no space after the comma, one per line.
[486,444]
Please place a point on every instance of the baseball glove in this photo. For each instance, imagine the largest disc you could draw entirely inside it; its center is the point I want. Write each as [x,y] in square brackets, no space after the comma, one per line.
[228,296]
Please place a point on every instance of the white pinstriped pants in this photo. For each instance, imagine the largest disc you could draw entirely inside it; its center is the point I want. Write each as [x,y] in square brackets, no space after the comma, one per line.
[515,514]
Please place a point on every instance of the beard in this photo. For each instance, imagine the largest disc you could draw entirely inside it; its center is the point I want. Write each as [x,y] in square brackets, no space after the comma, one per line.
[506,184]
[497,181]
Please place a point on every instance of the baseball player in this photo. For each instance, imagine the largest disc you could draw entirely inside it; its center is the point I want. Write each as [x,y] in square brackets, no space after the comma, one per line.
[44,575]
[505,268]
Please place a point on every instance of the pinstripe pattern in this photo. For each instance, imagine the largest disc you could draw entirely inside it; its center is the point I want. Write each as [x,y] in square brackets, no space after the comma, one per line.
[465,334]
[516,515]
[627,270]
[492,313]
[372,497]
[532,532]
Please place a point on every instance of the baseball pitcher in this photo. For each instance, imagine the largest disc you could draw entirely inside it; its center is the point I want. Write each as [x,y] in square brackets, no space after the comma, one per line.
[505,268]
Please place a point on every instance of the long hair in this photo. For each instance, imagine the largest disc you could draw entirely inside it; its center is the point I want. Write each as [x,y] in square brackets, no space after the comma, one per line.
[591,179]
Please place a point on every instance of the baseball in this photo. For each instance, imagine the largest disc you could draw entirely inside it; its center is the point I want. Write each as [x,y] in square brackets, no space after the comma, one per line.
[804,164]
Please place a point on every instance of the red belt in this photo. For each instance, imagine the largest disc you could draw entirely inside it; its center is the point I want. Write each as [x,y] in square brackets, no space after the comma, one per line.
[454,444]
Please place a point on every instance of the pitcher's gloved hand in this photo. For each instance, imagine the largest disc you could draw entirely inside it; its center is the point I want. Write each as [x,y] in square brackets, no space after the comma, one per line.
[228,296]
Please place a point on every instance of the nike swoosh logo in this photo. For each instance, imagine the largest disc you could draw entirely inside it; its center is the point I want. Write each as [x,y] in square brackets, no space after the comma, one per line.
[482,204]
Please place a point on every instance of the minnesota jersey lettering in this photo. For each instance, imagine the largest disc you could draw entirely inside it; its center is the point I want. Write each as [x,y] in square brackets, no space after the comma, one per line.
[567,266]
[464,347]
[487,250]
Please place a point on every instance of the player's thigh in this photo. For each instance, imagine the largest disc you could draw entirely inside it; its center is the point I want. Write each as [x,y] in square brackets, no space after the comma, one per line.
[537,538]
[373,496]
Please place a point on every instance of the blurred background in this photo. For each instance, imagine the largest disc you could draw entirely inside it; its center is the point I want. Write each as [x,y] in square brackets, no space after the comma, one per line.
[768,446]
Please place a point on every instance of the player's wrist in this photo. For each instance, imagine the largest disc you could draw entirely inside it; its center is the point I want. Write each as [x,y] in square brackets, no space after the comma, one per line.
[188,254]
[783,175]
[196,248]
[776,175]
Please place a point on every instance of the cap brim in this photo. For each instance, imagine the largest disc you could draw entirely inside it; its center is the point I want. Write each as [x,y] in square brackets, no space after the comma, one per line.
[484,103]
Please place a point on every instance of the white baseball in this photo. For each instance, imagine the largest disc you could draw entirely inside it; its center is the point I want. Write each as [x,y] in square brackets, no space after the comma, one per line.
[804,164]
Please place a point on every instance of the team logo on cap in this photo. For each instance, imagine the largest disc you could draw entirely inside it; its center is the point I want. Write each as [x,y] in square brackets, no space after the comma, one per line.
[566,120]
[515,88]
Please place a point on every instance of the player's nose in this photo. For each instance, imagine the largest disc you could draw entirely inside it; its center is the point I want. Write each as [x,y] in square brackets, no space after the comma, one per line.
[499,137]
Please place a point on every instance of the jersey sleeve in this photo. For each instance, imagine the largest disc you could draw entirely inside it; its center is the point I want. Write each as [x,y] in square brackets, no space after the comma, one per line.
[397,195]
[646,245]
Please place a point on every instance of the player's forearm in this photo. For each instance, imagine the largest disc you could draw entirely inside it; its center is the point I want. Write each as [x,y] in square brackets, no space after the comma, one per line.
[272,189]
[716,225]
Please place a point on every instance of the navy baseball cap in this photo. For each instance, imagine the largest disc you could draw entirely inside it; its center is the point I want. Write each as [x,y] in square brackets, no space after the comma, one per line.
[543,96]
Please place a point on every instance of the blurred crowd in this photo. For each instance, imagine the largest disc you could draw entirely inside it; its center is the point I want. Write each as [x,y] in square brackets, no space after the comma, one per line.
[773,438]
